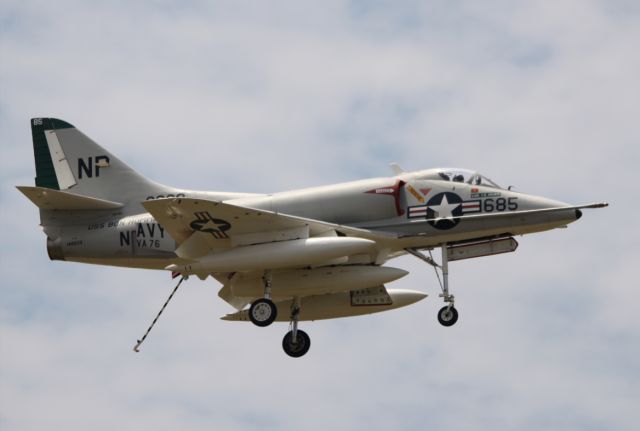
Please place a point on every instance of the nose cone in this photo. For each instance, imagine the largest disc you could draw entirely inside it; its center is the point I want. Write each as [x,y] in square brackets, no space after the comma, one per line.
[539,202]
[578,214]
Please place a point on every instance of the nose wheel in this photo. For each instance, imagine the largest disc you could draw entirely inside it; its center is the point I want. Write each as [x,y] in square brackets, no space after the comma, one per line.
[448,315]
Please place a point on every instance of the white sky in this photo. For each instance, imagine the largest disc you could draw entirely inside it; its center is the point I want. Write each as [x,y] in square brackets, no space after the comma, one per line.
[267,96]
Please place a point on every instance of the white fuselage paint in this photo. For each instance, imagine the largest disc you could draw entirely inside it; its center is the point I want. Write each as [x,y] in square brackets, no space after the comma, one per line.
[336,276]
[136,240]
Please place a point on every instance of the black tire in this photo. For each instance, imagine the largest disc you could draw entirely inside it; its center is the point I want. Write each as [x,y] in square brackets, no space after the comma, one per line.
[447,316]
[300,348]
[263,312]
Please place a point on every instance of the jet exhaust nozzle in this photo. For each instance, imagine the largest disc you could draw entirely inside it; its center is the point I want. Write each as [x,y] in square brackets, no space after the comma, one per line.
[54,249]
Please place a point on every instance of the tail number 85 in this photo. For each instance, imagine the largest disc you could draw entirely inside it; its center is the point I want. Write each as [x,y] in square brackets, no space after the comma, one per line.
[499,204]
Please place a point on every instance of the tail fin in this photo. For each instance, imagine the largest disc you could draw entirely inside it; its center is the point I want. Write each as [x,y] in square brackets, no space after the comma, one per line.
[69,161]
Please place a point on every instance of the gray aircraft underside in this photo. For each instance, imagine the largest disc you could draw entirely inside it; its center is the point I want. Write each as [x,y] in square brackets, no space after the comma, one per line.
[307,254]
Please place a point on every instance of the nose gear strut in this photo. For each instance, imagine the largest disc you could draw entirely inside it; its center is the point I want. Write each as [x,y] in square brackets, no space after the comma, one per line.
[448,315]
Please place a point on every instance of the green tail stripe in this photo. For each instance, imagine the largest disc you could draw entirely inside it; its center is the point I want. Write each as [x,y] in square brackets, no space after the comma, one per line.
[54,123]
[45,173]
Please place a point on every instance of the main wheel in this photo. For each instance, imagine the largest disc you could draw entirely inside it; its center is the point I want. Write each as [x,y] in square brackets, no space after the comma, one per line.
[263,312]
[300,347]
[447,316]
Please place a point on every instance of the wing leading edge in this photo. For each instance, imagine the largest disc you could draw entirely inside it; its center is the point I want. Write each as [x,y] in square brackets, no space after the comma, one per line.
[201,227]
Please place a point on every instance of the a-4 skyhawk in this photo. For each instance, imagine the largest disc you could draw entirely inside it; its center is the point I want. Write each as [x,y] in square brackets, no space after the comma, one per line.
[310,254]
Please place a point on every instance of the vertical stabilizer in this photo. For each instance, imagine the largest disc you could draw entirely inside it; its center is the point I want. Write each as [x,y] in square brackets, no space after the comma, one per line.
[68,160]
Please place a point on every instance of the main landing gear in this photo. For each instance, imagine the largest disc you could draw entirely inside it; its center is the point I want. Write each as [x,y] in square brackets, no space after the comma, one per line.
[263,312]
[448,315]
[296,342]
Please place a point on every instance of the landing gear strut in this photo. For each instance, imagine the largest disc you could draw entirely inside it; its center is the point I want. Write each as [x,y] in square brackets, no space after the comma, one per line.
[263,311]
[296,342]
[448,315]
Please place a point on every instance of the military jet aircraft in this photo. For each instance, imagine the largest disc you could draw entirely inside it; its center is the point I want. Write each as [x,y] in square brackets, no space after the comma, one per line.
[310,254]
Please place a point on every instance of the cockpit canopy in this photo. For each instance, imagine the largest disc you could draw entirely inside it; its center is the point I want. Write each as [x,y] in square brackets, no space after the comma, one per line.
[461,176]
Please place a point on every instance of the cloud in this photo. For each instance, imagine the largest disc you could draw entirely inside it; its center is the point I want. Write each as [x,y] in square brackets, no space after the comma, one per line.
[253,97]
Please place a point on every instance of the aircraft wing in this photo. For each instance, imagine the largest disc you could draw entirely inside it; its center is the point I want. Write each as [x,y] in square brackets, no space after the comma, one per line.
[200,226]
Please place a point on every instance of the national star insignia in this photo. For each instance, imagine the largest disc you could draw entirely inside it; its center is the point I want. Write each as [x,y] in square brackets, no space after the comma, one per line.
[210,224]
[444,209]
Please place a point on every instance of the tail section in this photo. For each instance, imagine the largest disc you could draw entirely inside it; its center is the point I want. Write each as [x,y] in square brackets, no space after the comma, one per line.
[69,161]
[50,199]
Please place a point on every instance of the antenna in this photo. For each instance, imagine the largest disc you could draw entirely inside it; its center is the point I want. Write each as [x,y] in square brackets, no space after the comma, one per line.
[397,170]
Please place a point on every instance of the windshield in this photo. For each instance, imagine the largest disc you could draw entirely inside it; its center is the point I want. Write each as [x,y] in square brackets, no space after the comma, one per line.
[465,176]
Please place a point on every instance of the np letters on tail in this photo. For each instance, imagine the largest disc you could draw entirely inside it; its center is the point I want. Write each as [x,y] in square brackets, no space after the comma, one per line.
[87,167]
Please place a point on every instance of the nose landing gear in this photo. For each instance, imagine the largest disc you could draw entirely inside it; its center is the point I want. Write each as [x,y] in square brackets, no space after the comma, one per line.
[448,315]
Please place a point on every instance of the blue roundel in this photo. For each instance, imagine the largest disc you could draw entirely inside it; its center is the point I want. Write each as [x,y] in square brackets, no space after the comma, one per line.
[443,210]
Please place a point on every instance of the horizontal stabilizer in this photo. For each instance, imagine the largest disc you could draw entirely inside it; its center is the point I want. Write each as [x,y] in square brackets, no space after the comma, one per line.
[49,199]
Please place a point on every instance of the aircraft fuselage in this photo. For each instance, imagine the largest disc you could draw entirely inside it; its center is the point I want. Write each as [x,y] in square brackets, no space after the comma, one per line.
[400,205]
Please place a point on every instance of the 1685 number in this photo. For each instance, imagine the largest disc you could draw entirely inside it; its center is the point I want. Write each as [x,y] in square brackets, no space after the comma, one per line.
[499,204]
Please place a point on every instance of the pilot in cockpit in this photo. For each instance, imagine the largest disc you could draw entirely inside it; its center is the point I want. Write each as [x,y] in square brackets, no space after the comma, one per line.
[462,176]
